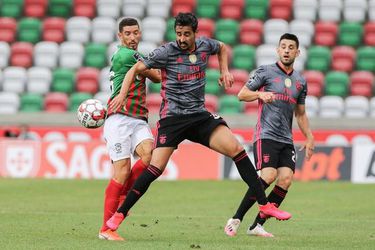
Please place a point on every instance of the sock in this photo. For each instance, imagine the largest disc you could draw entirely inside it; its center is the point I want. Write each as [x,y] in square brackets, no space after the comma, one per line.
[276,196]
[136,171]
[139,188]
[248,201]
[250,176]
[111,201]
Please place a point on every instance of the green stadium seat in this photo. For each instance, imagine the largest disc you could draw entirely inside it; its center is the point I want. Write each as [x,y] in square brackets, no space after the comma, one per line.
[170,33]
[31,103]
[366,58]
[350,34]
[243,57]
[319,58]
[154,87]
[229,104]
[11,8]
[337,83]
[227,31]
[208,8]
[256,9]
[95,55]
[76,99]
[60,8]
[212,85]
[63,80]
[29,30]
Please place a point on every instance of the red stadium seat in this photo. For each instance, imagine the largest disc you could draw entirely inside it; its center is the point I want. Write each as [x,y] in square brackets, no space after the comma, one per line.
[212,103]
[361,83]
[343,58]
[56,102]
[213,61]
[281,9]
[85,8]
[240,78]
[8,28]
[251,32]
[21,54]
[35,8]
[369,34]
[87,80]
[325,33]
[206,27]
[251,108]
[54,29]
[183,6]
[315,82]
[232,9]
[153,101]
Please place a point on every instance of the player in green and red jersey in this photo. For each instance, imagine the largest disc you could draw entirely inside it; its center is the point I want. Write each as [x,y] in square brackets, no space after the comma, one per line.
[126,130]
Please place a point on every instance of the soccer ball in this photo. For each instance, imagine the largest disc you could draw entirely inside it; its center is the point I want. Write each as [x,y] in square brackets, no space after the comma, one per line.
[91,113]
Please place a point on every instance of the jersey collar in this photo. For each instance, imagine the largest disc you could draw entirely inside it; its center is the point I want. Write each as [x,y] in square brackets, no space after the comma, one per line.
[283,70]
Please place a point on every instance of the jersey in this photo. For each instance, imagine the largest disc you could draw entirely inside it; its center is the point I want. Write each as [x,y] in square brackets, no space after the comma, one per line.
[275,119]
[122,60]
[183,76]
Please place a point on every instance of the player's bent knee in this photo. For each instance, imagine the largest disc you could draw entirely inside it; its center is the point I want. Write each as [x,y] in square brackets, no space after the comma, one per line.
[285,182]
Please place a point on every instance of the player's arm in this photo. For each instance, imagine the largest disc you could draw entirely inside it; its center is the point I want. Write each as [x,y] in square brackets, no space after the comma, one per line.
[248,95]
[226,78]
[152,74]
[303,124]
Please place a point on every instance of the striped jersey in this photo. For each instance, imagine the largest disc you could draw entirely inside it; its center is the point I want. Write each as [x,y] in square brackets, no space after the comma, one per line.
[122,60]
[275,119]
[183,75]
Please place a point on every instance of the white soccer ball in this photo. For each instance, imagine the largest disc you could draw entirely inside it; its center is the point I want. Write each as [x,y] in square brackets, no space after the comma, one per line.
[91,113]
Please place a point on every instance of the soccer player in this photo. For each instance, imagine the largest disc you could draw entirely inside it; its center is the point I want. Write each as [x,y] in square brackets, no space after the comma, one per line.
[126,130]
[183,114]
[281,93]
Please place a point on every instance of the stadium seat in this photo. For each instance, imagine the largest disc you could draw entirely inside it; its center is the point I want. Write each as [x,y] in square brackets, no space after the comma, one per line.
[371,10]
[337,83]
[265,54]
[9,102]
[38,80]
[330,10]
[11,8]
[355,10]
[35,8]
[153,29]
[76,99]
[14,79]
[319,58]
[372,107]
[54,29]
[331,106]
[212,103]
[273,29]
[361,83]
[343,58]
[240,78]
[183,6]
[256,9]
[312,106]
[303,29]
[243,57]
[206,27]
[1,78]
[366,58]
[135,8]
[212,85]
[170,34]
[112,49]
[315,82]
[361,140]
[299,63]
[325,33]
[31,103]
[104,83]
[8,27]
[102,96]
[103,30]
[78,29]
[369,34]
[63,80]
[208,8]
[46,54]
[305,9]
[213,61]
[227,31]
[251,108]
[85,8]
[281,9]
[60,8]
[232,9]
[251,32]
[153,101]
[108,8]
[56,102]
[356,107]
[21,54]
[154,88]
[336,140]
[95,55]
[229,104]
[146,47]
[29,30]
[158,8]
[350,34]
[71,55]
[87,80]
[4,54]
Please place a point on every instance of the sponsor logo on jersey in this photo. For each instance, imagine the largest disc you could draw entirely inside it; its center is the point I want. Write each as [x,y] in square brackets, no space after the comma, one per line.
[193,58]
[288,83]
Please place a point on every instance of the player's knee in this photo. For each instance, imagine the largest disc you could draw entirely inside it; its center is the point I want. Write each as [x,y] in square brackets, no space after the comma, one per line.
[121,172]
[284,182]
[269,179]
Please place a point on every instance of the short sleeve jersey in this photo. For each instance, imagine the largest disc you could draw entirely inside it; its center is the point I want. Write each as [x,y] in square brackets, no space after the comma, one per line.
[183,76]
[275,119]
[122,60]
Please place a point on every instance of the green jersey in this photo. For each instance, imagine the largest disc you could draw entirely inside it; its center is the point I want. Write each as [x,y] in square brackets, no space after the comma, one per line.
[122,60]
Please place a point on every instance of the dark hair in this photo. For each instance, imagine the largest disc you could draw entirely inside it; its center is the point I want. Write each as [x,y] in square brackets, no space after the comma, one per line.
[127,21]
[289,36]
[186,19]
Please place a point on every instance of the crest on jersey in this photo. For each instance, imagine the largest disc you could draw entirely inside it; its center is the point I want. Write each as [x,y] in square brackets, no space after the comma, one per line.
[266,158]
[288,82]
[162,138]
[193,58]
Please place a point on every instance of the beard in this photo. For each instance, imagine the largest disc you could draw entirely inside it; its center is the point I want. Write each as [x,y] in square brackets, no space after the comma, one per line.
[287,63]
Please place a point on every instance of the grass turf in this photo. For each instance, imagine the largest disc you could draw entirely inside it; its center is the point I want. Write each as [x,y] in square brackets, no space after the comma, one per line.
[66,214]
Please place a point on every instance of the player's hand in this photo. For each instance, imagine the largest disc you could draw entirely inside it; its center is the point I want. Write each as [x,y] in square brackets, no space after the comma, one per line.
[117,103]
[267,97]
[226,79]
[309,148]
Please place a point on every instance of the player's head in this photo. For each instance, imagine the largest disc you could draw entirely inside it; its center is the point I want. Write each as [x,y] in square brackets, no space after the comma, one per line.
[185,26]
[129,32]
[288,48]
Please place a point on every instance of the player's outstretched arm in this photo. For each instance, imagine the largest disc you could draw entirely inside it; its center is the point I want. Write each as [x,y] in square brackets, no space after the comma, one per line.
[303,124]
[226,78]
[248,95]
[152,74]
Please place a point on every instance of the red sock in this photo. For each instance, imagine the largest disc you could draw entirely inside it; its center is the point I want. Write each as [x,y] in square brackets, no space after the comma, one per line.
[111,201]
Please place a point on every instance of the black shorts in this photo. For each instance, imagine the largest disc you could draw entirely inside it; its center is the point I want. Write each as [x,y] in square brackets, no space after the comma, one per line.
[270,153]
[198,127]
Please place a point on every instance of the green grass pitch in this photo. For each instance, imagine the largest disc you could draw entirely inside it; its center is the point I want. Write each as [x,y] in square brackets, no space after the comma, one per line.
[66,214]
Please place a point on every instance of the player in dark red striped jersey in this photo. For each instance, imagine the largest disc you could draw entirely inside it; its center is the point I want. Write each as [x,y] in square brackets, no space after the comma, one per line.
[126,130]
[281,93]
[183,113]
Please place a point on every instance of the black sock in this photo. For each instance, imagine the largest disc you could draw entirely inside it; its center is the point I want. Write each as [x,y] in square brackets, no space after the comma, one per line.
[139,188]
[248,201]
[276,196]
[250,176]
